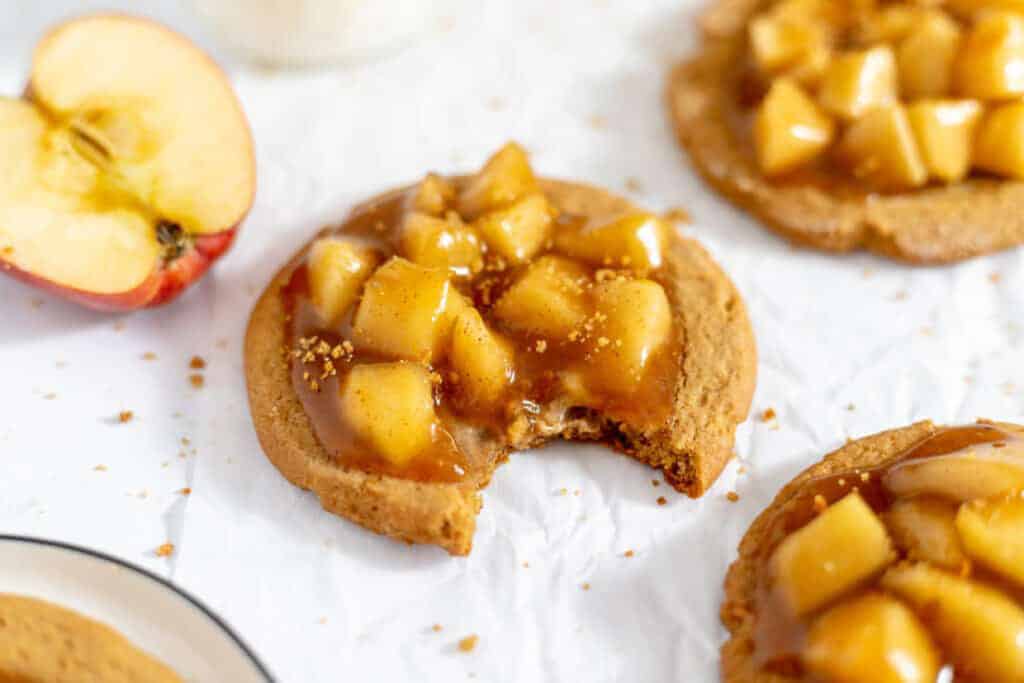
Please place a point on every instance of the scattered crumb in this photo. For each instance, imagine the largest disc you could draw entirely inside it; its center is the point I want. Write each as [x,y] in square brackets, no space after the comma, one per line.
[661,500]
[99,468]
[187,491]
[634,184]
[576,492]
[222,343]
[118,326]
[468,644]
[196,381]
[901,295]
[742,469]
[526,565]
[768,415]
[50,396]
[436,628]
[585,586]
[62,364]
[495,103]
[322,620]
[166,550]
[995,278]
[655,483]
[197,363]
[563,492]
[867,273]
[185,441]
[677,214]
[36,303]
[732,496]
[628,553]
[125,416]
[851,407]
[597,121]
[149,355]
[142,495]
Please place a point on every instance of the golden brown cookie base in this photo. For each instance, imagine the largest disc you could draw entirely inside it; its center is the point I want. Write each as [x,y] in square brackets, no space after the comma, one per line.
[935,225]
[44,643]
[712,396]
[742,579]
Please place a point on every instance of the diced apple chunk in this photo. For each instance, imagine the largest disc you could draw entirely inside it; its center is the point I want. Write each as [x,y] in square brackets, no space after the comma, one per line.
[445,243]
[337,270]
[830,556]
[518,231]
[944,130]
[993,534]
[924,529]
[505,177]
[547,300]
[790,129]
[635,322]
[390,406]
[871,638]
[432,196]
[857,82]
[957,478]
[999,145]
[980,628]
[991,63]
[927,55]
[778,42]
[402,314]
[880,149]
[890,24]
[636,241]
[484,361]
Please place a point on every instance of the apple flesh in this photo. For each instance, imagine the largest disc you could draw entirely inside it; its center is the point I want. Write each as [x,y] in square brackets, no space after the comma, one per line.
[126,169]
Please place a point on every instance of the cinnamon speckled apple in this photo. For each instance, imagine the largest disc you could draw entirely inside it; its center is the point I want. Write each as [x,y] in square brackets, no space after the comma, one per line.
[126,168]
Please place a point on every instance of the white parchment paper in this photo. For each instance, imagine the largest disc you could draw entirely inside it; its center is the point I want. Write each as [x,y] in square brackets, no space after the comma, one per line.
[848,346]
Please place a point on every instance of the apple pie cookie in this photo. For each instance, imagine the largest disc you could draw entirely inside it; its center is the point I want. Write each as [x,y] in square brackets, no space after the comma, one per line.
[899,558]
[894,126]
[41,642]
[399,358]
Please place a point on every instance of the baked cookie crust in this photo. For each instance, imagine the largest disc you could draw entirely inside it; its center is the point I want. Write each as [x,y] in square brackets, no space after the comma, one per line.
[712,396]
[929,226]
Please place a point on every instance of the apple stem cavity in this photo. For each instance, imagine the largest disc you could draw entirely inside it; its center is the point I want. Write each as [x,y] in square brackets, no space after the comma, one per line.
[172,238]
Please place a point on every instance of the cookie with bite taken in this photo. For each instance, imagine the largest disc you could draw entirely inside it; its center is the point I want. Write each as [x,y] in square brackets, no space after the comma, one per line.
[887,125]
[399,358]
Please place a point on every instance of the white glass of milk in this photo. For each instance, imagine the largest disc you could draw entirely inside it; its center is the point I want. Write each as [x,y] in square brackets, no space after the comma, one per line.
[311,32]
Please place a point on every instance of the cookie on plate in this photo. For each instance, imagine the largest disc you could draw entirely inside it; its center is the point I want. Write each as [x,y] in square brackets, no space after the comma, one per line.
[892,126]
[896,558]
[399,358]
[41,642]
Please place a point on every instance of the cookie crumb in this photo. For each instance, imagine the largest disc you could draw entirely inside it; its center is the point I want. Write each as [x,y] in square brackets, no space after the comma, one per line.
[197,381]
[851,407]
[468,644]
[995,278]
[678,214]
[628,553]
[768,415]
[661,500]
[563,492]
[99,468]
[187,491]
[322,620]
[585,586]
[901,295]
[149,355]
[436,628]
[197,363]
[597,121]
[655,483]
[732,496]
[634,185]
[125,416]
[50,396]
[165,550]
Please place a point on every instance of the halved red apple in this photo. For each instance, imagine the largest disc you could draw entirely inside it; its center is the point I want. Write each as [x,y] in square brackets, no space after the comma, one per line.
[127,167]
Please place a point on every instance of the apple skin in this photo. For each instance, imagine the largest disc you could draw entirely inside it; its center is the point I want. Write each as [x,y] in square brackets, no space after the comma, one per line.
[162,286]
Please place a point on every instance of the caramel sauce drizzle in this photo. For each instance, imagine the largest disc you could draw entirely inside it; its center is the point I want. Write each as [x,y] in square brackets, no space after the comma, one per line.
[541,365]
[779,635]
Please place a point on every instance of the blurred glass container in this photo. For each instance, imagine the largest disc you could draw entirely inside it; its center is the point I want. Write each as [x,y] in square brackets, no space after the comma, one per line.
[316,32]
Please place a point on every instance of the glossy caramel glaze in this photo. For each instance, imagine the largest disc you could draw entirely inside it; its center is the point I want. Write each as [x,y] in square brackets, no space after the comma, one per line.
[780,635]
[545,369]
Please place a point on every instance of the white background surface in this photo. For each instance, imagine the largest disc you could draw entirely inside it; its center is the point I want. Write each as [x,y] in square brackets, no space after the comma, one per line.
[848,346]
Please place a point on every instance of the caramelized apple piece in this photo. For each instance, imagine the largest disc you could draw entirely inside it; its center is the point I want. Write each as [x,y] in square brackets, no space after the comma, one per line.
[870,638]
[483,361]
[635,321]
[890,24]
[445,243]
[778,42]
[879,148]
[926,56]
[944,130]
[991,64]
[505,177]
[391,407]
[856,82]
[972,8]
[518,231]
[337,270]
[836,552]
[924,529]
[433,196]
[993,534]
[999,145]
[957,478]
[790,129]
[635,240]
[547,300]
[402,314]
[980,628]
